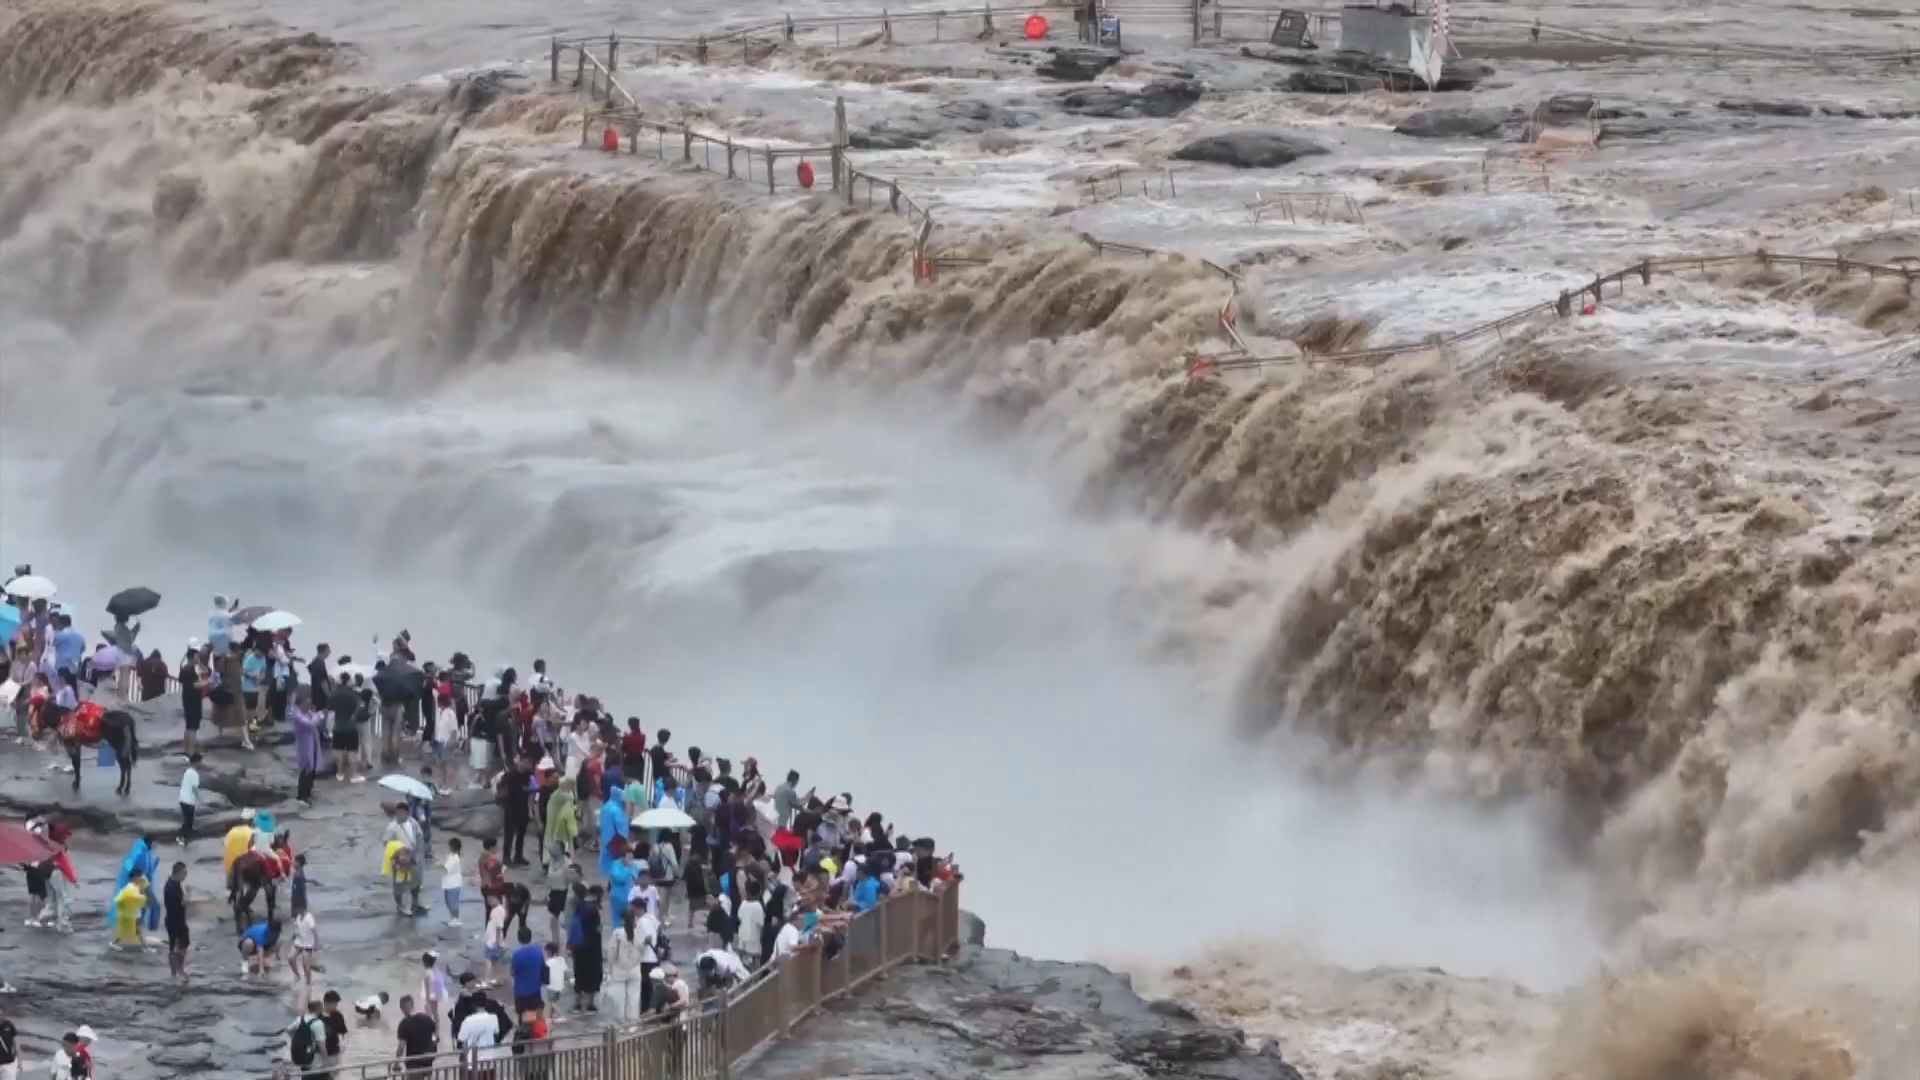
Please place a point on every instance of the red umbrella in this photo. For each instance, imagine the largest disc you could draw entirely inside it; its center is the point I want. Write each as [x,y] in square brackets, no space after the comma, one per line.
[18,844]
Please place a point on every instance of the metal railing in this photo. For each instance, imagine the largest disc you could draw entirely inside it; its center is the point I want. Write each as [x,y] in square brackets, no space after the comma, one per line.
[709,1041]
[1563,305]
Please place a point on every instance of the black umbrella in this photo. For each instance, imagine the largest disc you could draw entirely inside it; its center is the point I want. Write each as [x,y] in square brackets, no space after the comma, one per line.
[398,680]
[245,616]
[135,601]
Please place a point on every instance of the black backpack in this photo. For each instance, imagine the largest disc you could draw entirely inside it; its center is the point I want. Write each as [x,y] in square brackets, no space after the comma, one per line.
[303,1043]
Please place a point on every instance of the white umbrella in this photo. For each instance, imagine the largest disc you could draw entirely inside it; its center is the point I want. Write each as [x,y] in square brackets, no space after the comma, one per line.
[31,587]
[663,817]
[407,785]
[276,620]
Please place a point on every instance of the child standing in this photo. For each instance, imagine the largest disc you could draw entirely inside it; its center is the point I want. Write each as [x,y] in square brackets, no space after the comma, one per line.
[299,899]
[306,941]
[433,986]
[556,979]
[450,882]
[496,939]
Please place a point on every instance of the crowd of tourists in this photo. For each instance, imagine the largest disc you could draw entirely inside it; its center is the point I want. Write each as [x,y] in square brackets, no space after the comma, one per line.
[754,871]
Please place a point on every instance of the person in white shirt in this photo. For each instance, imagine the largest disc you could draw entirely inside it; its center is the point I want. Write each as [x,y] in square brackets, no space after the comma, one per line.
[306,941]
[721,969]
[791,936]
[646,896]
[450,882]
[189,798]
[496,939]
[673,994]
[630,962]
[479,1036]
[556,980]
[752,921]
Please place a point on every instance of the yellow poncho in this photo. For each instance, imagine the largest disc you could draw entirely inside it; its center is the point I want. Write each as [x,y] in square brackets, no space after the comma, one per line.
[387,868]
[126,905]
[238,838]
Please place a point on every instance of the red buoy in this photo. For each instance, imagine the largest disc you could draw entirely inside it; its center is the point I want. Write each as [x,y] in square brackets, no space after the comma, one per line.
[805,175]
[610,140]
[1036,27]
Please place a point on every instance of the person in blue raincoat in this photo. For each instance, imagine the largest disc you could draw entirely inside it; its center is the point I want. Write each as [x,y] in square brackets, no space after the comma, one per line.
[613,823]
[620,882]
[141,858]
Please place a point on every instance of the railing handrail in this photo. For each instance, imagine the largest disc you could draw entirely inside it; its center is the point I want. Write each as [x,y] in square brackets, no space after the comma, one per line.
[1644,269]
[807,979]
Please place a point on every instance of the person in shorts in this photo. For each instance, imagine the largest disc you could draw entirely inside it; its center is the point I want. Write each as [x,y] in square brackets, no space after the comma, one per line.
[179,938]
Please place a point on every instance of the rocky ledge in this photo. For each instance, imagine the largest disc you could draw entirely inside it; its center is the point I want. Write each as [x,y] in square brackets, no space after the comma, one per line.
[991,1012]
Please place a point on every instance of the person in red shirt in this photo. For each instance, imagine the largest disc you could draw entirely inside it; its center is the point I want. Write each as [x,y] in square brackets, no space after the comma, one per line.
[633,750]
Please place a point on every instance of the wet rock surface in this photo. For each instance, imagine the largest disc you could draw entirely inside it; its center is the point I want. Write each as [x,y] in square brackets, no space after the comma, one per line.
[219,1025]
[1462,124]
[1158,99]
[1077,64]
[967,116]
[1250,149]
[1324,72]
[990,1012]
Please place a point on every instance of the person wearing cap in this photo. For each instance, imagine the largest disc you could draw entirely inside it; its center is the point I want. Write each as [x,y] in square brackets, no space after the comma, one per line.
[671,995]
[81,1067]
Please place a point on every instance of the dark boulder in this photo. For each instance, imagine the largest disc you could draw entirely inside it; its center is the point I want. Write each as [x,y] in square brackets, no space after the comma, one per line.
[1249,149]
[1460,124]
[1332,82]
[1162,98]
[1463,75]
[1767,108]
[1075,64]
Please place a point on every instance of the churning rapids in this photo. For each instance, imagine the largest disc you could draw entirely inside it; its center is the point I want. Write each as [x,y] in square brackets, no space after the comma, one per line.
[1548,675]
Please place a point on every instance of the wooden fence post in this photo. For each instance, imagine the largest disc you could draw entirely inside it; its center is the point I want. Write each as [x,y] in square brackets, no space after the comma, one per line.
[556,59]
[789,27]
[686,136]
[580,69]
[886,27]
[730,158]
[769,170]
[613,58]
[986,22]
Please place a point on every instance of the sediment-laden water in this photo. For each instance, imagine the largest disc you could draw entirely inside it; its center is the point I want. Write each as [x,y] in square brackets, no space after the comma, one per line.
[1597,645]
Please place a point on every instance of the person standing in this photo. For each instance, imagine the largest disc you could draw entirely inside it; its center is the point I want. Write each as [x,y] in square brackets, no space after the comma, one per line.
[450,882]
[191,688]
[306,744]
[346,731]
[179,938]
[786,800]
[320,683]
[61,884]
[280,676]
[528,967]
[126,911]
[418,1036]
[516,785]
[433,987]
[153,676]
[562,827]
[401,844]
[307,1040]
[335,1047]
[583,940]
[123,635]
[625,969]
[306,942]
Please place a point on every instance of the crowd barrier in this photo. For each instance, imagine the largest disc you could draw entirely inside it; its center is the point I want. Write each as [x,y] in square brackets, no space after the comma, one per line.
[711,1040]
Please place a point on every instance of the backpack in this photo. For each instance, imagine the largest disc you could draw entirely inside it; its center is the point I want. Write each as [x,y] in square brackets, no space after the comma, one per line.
[304,1044]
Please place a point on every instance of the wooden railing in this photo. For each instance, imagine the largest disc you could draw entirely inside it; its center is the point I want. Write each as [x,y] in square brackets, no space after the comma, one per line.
[1562,306]
[712,1039]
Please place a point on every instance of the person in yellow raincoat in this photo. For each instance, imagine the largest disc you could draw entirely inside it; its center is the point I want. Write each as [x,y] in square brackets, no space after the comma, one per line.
[126,906]
[397,862]
[239,838]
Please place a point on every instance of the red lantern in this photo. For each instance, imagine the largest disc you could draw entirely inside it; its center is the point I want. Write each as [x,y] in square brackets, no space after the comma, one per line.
[805,175]
[1036,27]
[610,140]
